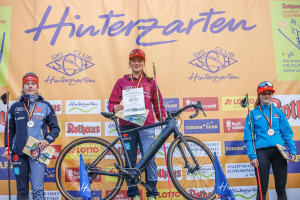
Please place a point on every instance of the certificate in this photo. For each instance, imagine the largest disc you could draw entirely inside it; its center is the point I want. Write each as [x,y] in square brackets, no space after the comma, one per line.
[133,101]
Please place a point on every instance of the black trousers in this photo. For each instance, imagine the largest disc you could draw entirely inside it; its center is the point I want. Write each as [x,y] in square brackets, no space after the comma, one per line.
[267,157]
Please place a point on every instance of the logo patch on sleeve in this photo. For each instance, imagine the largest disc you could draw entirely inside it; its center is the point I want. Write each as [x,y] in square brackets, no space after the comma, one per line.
[17,170]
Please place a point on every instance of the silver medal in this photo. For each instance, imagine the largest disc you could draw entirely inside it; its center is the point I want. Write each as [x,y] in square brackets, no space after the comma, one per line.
[30,124]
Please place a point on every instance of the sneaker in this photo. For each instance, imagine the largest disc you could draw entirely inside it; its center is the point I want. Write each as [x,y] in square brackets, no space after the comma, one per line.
[137,197]
[151,198]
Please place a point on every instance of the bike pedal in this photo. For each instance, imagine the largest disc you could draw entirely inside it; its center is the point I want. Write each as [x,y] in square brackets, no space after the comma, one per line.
[146,186]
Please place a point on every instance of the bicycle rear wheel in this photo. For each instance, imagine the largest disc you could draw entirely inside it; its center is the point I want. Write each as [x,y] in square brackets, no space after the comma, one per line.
[67,168]
[192,184]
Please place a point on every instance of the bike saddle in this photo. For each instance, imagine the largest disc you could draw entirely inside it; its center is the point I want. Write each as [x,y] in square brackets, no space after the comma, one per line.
[108,114]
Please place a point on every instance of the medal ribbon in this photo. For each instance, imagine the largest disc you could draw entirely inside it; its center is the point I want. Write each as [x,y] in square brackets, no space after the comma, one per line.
[30,114]
[269,121]
[140,80]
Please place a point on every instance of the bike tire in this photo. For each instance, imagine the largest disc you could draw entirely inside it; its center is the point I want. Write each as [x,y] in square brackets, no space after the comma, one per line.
[201,183]
[68,166]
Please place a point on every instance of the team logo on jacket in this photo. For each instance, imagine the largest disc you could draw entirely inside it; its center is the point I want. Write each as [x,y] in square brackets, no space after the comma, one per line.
[38,109]
[15,158]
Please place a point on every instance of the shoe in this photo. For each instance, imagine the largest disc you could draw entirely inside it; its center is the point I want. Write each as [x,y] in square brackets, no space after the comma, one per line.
[137,197]
[151,198]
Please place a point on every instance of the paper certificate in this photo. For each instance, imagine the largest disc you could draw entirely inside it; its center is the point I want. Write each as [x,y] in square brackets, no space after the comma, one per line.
[133,101]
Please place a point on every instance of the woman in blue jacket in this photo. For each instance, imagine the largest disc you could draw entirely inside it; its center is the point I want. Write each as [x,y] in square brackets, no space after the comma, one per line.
[270,127]
[30,116]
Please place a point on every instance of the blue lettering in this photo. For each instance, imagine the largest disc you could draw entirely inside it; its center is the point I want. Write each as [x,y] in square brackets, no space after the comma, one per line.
[2,47]
[146,25]
[80,32]
[178,25]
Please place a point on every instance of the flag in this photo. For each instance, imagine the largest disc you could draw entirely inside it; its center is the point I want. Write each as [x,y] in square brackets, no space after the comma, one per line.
[222,186]
[85,188]
[4,98]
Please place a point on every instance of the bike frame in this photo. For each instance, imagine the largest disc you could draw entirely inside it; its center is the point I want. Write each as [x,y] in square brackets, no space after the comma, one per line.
[153,149]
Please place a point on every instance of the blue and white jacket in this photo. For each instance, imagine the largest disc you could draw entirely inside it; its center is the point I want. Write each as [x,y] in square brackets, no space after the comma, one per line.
[43,117]
[283,131]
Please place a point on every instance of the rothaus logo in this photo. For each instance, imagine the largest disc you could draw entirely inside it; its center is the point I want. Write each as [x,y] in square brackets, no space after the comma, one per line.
[212,62]
[70,65]
[83,129]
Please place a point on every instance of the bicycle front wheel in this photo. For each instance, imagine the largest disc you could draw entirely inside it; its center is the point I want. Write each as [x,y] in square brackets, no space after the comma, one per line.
[67,168]
[192,182]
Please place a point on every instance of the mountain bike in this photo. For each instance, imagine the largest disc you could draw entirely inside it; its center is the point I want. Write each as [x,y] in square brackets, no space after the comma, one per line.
[190,163]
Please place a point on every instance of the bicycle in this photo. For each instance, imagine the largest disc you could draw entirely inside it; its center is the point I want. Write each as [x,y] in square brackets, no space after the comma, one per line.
[106,170]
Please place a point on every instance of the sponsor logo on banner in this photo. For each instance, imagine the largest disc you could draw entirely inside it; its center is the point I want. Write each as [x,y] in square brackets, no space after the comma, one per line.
[96,195]
[106,105]
[245,192]
[234,103]
[91,151]
[110,129]
[49,175]
[73,175]
[57,106]
[235,148]
[200,193]
[83,106]
[210,23]
[235,125]
[69,65]
[3,109]
[57,151]
[213,147]
[164,194]
[291,193]
[206,172]
[74,129]
[290,105]
[163,176]
[109,155]
[161,151]
[55,195]
[239,170]
[4,166]
[211,63]
[201,126]
[122,195]
[208,103]
[171,104]
[5,27]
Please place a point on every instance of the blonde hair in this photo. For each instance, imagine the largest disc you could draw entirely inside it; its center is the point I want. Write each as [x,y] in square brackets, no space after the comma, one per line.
[23,93]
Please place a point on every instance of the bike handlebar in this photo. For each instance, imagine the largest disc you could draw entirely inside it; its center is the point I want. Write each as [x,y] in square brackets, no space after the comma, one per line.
[196,106]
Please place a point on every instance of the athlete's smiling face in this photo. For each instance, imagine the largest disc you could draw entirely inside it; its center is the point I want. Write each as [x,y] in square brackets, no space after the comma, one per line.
[137,65]
[266,97]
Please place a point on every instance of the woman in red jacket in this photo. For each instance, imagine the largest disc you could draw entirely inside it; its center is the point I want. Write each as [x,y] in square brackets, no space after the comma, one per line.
[139,79]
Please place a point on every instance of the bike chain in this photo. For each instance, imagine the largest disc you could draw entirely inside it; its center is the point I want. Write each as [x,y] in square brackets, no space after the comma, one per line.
[122,184]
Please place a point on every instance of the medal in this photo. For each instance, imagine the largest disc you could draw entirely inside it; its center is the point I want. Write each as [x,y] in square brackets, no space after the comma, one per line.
[271,132]
[30,124]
